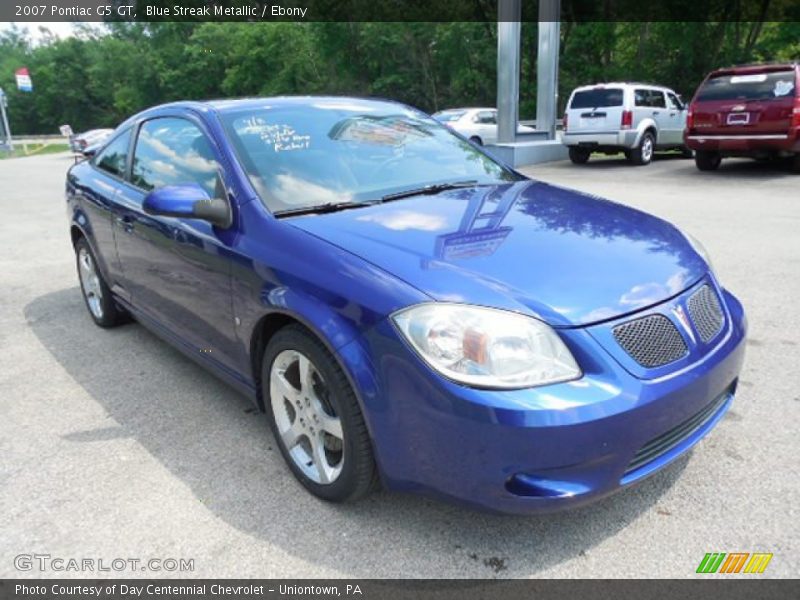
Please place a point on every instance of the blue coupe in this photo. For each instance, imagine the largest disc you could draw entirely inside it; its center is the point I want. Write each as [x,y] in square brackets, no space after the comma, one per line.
[407,311]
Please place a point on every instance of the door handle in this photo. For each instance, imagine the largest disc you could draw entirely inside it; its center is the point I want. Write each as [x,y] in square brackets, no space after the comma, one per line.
[125,223]
[672,114]
[656,112]
[179,236]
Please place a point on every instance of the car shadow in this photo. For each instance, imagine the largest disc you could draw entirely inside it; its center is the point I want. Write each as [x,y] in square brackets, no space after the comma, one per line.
[211,439]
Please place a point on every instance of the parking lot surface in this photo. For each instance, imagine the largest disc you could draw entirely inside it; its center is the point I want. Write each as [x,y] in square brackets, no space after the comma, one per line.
[114,445]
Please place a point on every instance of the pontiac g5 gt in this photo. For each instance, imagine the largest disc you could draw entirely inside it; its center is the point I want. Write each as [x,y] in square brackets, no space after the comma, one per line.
[407,311]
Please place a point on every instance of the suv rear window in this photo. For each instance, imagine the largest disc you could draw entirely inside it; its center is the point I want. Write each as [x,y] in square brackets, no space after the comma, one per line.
[596,98]
[752,86]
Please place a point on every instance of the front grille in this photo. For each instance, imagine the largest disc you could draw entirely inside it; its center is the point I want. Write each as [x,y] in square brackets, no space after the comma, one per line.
[706,313]
[652,341]
[667,441]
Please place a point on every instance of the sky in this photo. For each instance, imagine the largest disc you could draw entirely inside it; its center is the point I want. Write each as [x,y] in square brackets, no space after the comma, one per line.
[60,28]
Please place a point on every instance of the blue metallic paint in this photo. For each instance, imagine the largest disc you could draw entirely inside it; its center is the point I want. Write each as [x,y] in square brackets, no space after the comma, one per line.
[577,262]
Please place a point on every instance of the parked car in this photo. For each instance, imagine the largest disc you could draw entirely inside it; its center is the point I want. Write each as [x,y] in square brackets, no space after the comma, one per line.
[751,111]
[405,309]
[476,124]
[80,141]
[634,118]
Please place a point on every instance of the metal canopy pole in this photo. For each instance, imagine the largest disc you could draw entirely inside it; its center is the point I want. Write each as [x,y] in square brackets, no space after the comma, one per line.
[547,66]
[6,130]
[509,13]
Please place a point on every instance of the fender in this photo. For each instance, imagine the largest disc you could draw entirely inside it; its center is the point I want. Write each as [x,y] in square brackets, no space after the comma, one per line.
[336,334]
[643,126]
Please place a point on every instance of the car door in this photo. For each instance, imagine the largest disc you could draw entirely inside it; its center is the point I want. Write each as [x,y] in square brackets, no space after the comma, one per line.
[666,126]
[99,189]
[178,270]
[677,112]
[642,107]
[486,125]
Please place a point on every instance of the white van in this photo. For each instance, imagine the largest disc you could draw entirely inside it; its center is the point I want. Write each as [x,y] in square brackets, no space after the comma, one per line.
[634,118]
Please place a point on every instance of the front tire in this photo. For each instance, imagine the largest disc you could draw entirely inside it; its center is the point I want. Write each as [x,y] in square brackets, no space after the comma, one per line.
[707,161]
[579,156]
[476,140]
[315,417]
[96,293]
[643,153]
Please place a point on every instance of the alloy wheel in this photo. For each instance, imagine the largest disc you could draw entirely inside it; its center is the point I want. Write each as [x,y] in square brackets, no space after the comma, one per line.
[647,149]
[306,422]
[90,283]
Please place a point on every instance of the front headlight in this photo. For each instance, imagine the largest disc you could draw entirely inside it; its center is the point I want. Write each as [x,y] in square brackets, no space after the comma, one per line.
[486,347]
[698,247]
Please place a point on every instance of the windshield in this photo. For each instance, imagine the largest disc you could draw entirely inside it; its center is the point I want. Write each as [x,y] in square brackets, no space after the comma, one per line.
[755,86]
[448,116]
[597,97]
[316,153]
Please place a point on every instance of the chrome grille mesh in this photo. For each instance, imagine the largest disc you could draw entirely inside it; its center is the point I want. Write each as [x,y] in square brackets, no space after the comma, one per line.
[652,341]
[706,313]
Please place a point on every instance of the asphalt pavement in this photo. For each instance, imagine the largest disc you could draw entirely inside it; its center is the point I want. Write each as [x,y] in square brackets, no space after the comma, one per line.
[114,445]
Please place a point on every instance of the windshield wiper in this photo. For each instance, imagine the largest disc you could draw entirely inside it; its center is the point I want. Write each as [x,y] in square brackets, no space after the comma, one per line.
[434,188]
[329,207]
[318,209]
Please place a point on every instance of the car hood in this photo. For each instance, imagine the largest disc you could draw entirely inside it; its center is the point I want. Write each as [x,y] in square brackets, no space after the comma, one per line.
[565,257]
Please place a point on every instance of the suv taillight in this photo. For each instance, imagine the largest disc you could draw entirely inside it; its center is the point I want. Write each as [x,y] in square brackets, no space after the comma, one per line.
[565,121]
[796,113]
[627,119]
[690,118]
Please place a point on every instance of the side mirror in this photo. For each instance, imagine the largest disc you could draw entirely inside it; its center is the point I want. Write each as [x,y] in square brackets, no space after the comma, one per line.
[188,201]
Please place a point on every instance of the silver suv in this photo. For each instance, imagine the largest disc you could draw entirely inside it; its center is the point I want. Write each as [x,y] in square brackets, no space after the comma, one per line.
[634,118]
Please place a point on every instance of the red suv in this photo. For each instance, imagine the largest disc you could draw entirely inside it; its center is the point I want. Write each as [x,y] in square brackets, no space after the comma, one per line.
[751,111]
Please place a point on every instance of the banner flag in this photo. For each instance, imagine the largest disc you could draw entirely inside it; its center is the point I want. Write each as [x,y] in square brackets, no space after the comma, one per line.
[24,83]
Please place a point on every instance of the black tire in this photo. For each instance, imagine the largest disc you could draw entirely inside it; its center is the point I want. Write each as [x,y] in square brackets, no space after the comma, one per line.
[796,164]
[476,140]
[643,153]
[358,475]
[687,152]
[707,161]
[579,156]
[101,306]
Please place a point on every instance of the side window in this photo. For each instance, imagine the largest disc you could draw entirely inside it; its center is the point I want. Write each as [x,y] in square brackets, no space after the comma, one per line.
[675,102]
[657,99]
[486,117]
[114,158]
[173,151]
[641,97]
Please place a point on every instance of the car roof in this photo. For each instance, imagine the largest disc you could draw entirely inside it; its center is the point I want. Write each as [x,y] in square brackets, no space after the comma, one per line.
[623,84]
[467,109]
[224,105]
[755,68]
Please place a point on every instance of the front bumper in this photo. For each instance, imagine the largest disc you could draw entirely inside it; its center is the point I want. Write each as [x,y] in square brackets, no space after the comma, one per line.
[543,448]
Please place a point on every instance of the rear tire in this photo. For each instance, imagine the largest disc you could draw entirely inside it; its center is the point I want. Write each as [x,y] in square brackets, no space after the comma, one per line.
[687,152]
[707,161]
[643,153]
[476,140]
[316,418]
[96,293]
[579,156]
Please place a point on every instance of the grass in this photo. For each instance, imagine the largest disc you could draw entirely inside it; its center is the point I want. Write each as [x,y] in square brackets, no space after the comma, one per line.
[33,150]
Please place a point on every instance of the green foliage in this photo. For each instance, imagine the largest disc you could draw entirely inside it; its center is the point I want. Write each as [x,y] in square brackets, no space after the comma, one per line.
[94,80]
